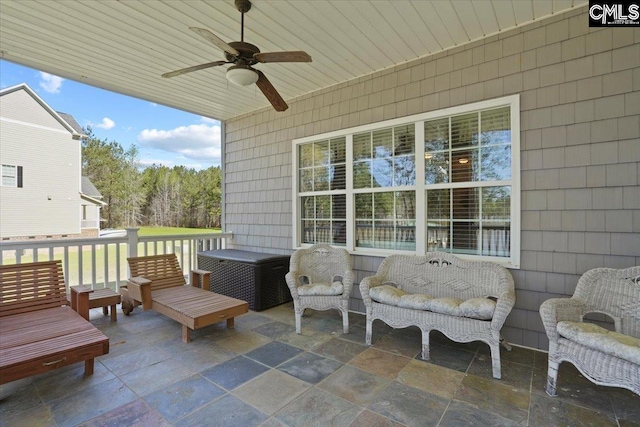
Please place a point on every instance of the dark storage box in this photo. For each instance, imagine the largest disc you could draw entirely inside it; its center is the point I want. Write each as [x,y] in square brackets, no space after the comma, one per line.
[254,277]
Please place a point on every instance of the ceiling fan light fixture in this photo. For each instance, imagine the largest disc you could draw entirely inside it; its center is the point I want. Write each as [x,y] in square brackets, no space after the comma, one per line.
[242,76]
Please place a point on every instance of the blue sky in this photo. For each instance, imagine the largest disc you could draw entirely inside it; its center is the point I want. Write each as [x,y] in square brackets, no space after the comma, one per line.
[163,135]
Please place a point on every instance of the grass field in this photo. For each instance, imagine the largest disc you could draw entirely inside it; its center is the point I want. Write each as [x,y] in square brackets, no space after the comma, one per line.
[164,231]
[106,268]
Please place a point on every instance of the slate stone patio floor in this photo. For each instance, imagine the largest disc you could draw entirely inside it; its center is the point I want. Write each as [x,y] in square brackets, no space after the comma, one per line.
[263,374]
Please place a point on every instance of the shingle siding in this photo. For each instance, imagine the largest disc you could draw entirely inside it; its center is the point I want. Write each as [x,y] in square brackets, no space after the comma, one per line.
[580,130]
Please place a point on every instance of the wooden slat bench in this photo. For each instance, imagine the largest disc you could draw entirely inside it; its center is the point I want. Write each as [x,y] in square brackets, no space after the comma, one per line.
[157,283]
[38,331]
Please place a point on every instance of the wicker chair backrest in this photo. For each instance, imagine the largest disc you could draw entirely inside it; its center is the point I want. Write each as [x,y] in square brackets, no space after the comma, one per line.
[321,263]
[615,292]
[443,275]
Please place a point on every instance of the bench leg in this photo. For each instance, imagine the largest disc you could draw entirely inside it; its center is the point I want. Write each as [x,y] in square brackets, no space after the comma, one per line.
[114,315]
[88,367]
[186,334]
[230,324]
[105,310]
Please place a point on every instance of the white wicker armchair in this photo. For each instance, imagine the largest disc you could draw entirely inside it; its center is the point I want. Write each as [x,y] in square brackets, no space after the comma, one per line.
[465,300]
[320,278]
[604,357]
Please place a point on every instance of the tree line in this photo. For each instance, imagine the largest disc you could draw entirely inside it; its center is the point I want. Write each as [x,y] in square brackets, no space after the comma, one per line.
[152,196]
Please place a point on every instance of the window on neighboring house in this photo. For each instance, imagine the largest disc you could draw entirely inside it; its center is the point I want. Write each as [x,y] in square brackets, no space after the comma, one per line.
[11,176]
[84,212]
[439,181]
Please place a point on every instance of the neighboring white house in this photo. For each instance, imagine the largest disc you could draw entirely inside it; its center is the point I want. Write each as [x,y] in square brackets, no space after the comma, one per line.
[42,193]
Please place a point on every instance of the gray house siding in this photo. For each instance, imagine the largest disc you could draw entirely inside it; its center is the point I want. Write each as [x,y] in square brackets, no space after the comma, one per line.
[580,149]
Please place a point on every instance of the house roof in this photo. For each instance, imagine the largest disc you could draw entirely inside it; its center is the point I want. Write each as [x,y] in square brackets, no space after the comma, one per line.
[88,189]
[69,119]
[65,120]
[127,45]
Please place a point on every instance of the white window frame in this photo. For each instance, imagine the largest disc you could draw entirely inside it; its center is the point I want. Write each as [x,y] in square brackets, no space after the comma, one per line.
[15,176]
[512,101]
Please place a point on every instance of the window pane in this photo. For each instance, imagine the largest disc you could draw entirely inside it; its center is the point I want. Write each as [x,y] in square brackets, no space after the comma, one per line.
[362,146]
[496,126]
[308,207]
[438,236]
[323,232]
[404,171]
[438,204]
[465,237]
[466,203]
[308,232]
[384,235]
[496,239]
[362,175]
[306,180]
[338,150]
[404,140]
[321,178]
[340,233]
[464,130]
[382,173]
[321,153]
[364,234]
[496,163]
[306,155]
[323,207]
[383,205]
[339,206]
[464,165]
[406,235]
[436,135]
[405,205]
[338,177]
[364,205]
[496,203]
[382,144]
[436,167]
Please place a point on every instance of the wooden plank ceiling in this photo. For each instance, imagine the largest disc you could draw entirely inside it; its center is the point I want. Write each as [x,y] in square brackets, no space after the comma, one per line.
[124,46]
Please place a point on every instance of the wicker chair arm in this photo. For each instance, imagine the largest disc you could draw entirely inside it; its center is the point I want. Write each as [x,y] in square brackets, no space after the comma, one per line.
[556,310]
[293,283]
[347,283]
[504,304]
[368,283]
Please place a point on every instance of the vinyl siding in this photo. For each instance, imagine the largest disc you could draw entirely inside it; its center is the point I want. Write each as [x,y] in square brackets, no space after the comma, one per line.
[580,149]
[49,200]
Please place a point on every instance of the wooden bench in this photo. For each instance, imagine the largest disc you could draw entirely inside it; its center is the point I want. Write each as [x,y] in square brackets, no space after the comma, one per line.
[38,331]
[158,283]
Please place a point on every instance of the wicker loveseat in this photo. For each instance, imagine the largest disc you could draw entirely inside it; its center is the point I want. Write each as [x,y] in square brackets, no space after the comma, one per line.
[610,358]
[465,300]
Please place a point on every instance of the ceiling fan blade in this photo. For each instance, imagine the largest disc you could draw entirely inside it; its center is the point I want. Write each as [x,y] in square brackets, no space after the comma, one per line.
[194,68]
[203,32]
[270,92]
[290,56]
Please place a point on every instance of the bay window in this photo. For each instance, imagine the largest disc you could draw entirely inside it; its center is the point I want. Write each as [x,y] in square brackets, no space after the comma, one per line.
[446,180]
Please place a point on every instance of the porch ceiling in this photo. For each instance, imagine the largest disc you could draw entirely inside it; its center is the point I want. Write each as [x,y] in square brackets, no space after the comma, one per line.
[124,46]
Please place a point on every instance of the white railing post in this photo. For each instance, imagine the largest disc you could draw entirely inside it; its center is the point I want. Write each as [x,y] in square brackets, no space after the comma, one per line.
[132,237]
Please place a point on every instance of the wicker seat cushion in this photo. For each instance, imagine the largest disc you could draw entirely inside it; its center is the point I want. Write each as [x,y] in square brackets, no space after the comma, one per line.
[335,288]
[475,308]
[598,338]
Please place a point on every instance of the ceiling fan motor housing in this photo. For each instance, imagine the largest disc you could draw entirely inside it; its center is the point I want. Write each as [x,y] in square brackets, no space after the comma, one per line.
[246,51]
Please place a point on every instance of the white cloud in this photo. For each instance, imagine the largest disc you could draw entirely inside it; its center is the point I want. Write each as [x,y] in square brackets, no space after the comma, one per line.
[200,142]
[153,104]
[106,124]
[50,83]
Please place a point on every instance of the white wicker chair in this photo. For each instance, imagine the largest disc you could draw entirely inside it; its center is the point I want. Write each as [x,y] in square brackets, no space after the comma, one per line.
[597,353]
[320,278]
[442,278]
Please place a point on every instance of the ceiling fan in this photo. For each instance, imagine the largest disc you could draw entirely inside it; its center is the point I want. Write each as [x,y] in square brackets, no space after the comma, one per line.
[243,56]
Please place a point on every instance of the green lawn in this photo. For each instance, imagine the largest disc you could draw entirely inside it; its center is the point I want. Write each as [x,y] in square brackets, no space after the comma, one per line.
[109,274]
[163,231]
